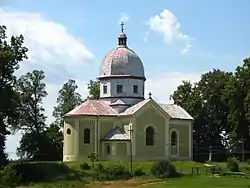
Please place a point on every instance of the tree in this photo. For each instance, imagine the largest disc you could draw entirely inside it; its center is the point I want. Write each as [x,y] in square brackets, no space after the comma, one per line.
[55,137]
[12,52]
[67,100]
[32,90]
[204,102]
[94,89]
[236,94]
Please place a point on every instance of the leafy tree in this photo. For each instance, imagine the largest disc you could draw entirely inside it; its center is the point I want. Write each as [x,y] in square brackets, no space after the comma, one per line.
[55,137]
[67,100]
[211,86]
[236,94]
[94,89]
[204,102]
[32,91]
[12,52]
[34,142]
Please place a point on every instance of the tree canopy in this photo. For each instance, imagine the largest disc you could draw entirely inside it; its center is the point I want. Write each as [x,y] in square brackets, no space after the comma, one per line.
[12,52]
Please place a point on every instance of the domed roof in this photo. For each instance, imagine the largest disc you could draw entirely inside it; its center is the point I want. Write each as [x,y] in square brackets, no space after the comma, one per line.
[122,61]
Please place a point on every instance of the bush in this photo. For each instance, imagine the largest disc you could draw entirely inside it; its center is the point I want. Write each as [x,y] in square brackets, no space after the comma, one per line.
[138,172]
[23,172]
[114,172]
[85,166]
[9,177]
[232,164]
[164,169]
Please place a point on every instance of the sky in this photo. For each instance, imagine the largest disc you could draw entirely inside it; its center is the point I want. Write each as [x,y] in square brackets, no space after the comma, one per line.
[176,40]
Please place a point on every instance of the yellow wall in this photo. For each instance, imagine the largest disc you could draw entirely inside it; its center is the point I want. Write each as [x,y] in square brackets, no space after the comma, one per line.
[100,126]
[183,128]
[69,140]
[158,122]
[86,149]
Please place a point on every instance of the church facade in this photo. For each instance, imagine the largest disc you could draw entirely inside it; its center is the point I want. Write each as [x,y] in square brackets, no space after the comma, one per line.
[122,123]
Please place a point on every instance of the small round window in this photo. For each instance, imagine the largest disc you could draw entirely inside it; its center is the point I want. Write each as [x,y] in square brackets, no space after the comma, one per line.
[68,131]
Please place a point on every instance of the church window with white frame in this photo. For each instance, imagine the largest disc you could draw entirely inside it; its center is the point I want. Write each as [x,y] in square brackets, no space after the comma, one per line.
[105,89]
[119,88]
[150,136]
[174,138]
[86,136]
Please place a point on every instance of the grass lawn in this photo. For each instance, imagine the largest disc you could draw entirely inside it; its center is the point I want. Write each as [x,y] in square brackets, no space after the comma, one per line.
[187,182]
[196,181]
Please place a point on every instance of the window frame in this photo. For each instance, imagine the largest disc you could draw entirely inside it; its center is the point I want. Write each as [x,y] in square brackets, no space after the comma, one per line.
[119,88]
[150,136]
[105,89]
[135,88]
[86,133]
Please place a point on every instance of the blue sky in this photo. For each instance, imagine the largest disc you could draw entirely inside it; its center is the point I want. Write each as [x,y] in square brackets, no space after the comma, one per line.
[68,39]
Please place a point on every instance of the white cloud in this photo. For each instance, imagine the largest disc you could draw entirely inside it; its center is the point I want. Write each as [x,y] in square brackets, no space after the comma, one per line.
[45,39]
[123,18]
[166,24]
[52,49]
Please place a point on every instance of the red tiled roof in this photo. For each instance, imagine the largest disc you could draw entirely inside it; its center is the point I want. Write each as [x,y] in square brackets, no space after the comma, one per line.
[103,108]
[93,107]
[131,110]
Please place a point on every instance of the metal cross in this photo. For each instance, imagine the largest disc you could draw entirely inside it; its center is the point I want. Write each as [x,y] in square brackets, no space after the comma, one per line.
[122,24]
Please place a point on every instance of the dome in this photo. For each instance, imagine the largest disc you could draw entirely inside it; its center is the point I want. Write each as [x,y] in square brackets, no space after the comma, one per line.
[122,62]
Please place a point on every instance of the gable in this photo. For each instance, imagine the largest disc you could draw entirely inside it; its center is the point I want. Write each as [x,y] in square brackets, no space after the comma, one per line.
[151,105]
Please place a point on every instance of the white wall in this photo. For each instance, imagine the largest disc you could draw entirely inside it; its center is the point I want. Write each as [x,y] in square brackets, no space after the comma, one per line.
[127,89]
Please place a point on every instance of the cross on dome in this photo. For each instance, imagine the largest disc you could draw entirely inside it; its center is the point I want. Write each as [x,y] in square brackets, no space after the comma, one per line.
[122,26]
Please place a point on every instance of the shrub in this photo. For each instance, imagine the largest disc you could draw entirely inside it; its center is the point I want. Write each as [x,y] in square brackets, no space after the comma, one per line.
[117,172]
[93,158]
[24,172]
[164,169]
[9,177]
[99,168]
[138,172]
[113,172]
[85,166]
[232,164]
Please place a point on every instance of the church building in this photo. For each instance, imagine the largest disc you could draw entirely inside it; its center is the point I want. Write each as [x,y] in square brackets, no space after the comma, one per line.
[122,123]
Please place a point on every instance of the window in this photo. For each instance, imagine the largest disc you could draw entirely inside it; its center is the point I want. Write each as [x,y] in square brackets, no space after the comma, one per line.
[68,131]
[135,88]
[150,136]
[86,136]
[174,138]
[108,149]
[119,88]
[105,89]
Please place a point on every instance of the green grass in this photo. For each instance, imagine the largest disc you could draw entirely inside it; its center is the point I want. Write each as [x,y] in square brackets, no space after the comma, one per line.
[187,182]
[201,180]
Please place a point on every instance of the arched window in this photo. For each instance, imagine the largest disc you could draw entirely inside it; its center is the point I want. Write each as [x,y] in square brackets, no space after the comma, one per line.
[174,138]
[150,136]
[108,149]
[86,136]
